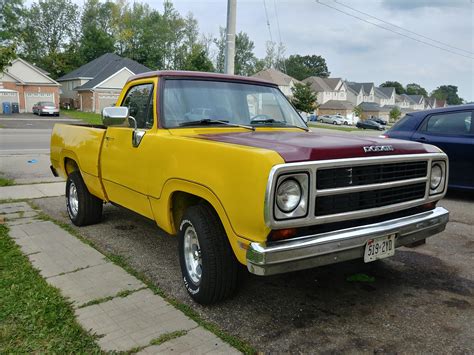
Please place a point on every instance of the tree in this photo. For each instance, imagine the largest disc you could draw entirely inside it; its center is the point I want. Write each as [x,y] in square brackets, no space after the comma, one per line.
[304,99]
[97,37]
[395,113]
[302,67]
[198,60]
[448,93]
[7,54]
[399,89]
[358,111]
[50,28]
[11,28]
[245,59]
[415,89]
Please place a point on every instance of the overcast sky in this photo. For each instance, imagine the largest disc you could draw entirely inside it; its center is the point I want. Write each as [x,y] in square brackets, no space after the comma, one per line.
[353,49]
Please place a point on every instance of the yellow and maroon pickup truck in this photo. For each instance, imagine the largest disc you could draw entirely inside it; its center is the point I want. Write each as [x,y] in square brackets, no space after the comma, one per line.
[228,165]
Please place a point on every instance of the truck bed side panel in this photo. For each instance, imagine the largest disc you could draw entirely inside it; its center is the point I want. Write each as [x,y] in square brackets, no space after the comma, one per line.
[83,145]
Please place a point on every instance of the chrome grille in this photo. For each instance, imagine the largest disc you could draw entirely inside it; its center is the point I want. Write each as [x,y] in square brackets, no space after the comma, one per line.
[369,174]
[356,201]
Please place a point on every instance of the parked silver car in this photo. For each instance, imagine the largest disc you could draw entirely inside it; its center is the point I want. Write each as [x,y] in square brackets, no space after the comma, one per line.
[333,119]
[45,108]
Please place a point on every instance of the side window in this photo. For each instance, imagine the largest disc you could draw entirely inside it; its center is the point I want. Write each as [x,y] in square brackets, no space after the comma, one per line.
[139,100]
[449,123]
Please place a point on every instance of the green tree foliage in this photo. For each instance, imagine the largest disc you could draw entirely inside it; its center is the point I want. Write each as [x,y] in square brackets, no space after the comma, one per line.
[97,37]
[198,60]
[395,113]
[50,29]
[358,111]
[7,54]
[399,89]
[415,89]
[302,67]
[448,93]
[304,99]
[11,28]
[245,60]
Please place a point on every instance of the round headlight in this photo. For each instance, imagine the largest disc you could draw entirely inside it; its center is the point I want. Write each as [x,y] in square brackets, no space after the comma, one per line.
[436,176]
[288,195]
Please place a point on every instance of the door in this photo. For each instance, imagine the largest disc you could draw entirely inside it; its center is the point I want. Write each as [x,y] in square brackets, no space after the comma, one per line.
[32,98]
[125,165]
[453,132]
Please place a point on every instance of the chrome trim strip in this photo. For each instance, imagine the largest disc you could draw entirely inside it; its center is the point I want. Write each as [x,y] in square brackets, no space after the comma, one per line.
[326,248]
[311,169]
[358,188]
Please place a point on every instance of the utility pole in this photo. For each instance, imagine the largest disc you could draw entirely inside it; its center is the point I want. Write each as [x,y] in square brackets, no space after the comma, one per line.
[230,37]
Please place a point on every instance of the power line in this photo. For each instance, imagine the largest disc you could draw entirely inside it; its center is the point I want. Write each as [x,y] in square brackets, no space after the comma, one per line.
[402,28]
[279,35]
[390,30]
[268,21]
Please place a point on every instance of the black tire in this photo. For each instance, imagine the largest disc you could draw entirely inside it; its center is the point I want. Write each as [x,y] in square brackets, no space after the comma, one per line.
[334,123]
[219,267]
[88,209]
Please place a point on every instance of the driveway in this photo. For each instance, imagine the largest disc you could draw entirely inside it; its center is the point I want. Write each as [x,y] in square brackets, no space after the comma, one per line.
[419,301]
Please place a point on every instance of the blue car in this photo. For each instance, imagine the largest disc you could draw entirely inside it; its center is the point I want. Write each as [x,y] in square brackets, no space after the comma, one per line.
[452,130]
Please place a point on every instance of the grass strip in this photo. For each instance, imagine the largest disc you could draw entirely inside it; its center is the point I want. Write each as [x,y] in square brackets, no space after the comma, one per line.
[87,117]
[34,317]
[6,182]
[121,294]
[240,345]
[167,337]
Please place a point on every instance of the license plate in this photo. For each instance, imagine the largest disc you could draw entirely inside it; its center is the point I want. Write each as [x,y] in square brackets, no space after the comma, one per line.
[379,248]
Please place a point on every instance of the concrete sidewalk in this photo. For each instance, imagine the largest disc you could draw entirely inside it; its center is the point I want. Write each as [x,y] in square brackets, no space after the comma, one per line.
[17,192]
[108,302]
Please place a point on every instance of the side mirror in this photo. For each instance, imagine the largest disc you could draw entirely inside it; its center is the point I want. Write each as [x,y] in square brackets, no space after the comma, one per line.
[114,116]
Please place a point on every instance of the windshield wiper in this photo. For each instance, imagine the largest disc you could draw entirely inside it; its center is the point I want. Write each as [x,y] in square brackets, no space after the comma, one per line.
[272,120]
[208,121]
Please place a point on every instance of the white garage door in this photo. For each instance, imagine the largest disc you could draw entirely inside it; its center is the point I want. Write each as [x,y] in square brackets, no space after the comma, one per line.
[9,97]
[33,98]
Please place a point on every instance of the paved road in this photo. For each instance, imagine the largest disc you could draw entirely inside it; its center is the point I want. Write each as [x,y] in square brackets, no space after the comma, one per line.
[422,300]
[24,147]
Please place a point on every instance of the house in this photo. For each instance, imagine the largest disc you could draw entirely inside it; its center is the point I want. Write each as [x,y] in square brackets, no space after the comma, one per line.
[327,89]
[417,102]
[284,81]
[372,109]
[97,84]
[338,107]
[360,92]
[403,102]
[433,102]
[26,84]
[385,96]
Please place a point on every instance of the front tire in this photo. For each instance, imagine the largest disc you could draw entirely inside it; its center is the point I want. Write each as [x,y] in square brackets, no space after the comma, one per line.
[82,207]
[208,264]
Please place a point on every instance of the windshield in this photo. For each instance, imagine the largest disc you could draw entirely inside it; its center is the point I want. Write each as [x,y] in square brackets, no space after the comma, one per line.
[189,101]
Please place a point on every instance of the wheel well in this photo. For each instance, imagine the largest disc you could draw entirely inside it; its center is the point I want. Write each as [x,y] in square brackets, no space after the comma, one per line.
[70,166]
[180,201]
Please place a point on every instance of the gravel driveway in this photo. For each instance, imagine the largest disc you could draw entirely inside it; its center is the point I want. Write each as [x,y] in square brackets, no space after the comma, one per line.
[421,300]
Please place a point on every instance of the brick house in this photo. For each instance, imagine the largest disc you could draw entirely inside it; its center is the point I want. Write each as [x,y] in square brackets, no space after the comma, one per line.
[26,84]
[97,84]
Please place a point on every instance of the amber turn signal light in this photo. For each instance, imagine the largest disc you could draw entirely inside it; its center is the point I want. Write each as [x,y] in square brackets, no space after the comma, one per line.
[281,234]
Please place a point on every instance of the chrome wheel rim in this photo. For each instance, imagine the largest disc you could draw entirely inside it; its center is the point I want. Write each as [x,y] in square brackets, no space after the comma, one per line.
[73,200]
[192,255]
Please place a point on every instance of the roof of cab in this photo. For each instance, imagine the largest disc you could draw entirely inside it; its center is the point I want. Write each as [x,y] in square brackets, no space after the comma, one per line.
[443,109]
[199,75]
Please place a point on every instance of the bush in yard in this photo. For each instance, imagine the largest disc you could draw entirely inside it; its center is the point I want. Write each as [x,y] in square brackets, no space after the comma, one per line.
[395,114]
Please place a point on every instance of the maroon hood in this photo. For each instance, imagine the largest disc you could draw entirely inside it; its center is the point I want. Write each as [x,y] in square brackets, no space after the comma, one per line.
[305,146]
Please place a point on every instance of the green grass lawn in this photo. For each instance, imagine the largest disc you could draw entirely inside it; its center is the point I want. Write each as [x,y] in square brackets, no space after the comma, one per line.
[34,317]
[87,117]
[5,181]
[333,127]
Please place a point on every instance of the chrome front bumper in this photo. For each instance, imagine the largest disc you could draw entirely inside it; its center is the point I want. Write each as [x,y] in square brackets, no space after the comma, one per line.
[340,245]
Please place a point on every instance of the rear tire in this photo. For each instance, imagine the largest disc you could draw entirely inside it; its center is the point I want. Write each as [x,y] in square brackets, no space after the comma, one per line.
[209,268]
[82,207]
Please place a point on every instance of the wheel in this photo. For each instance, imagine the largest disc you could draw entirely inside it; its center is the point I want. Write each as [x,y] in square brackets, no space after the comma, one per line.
[208,264]
[82,207]
[334,123]
[345,122]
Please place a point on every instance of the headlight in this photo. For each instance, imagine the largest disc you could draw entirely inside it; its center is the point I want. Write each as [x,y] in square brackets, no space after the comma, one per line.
[288,195]
[436,176]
